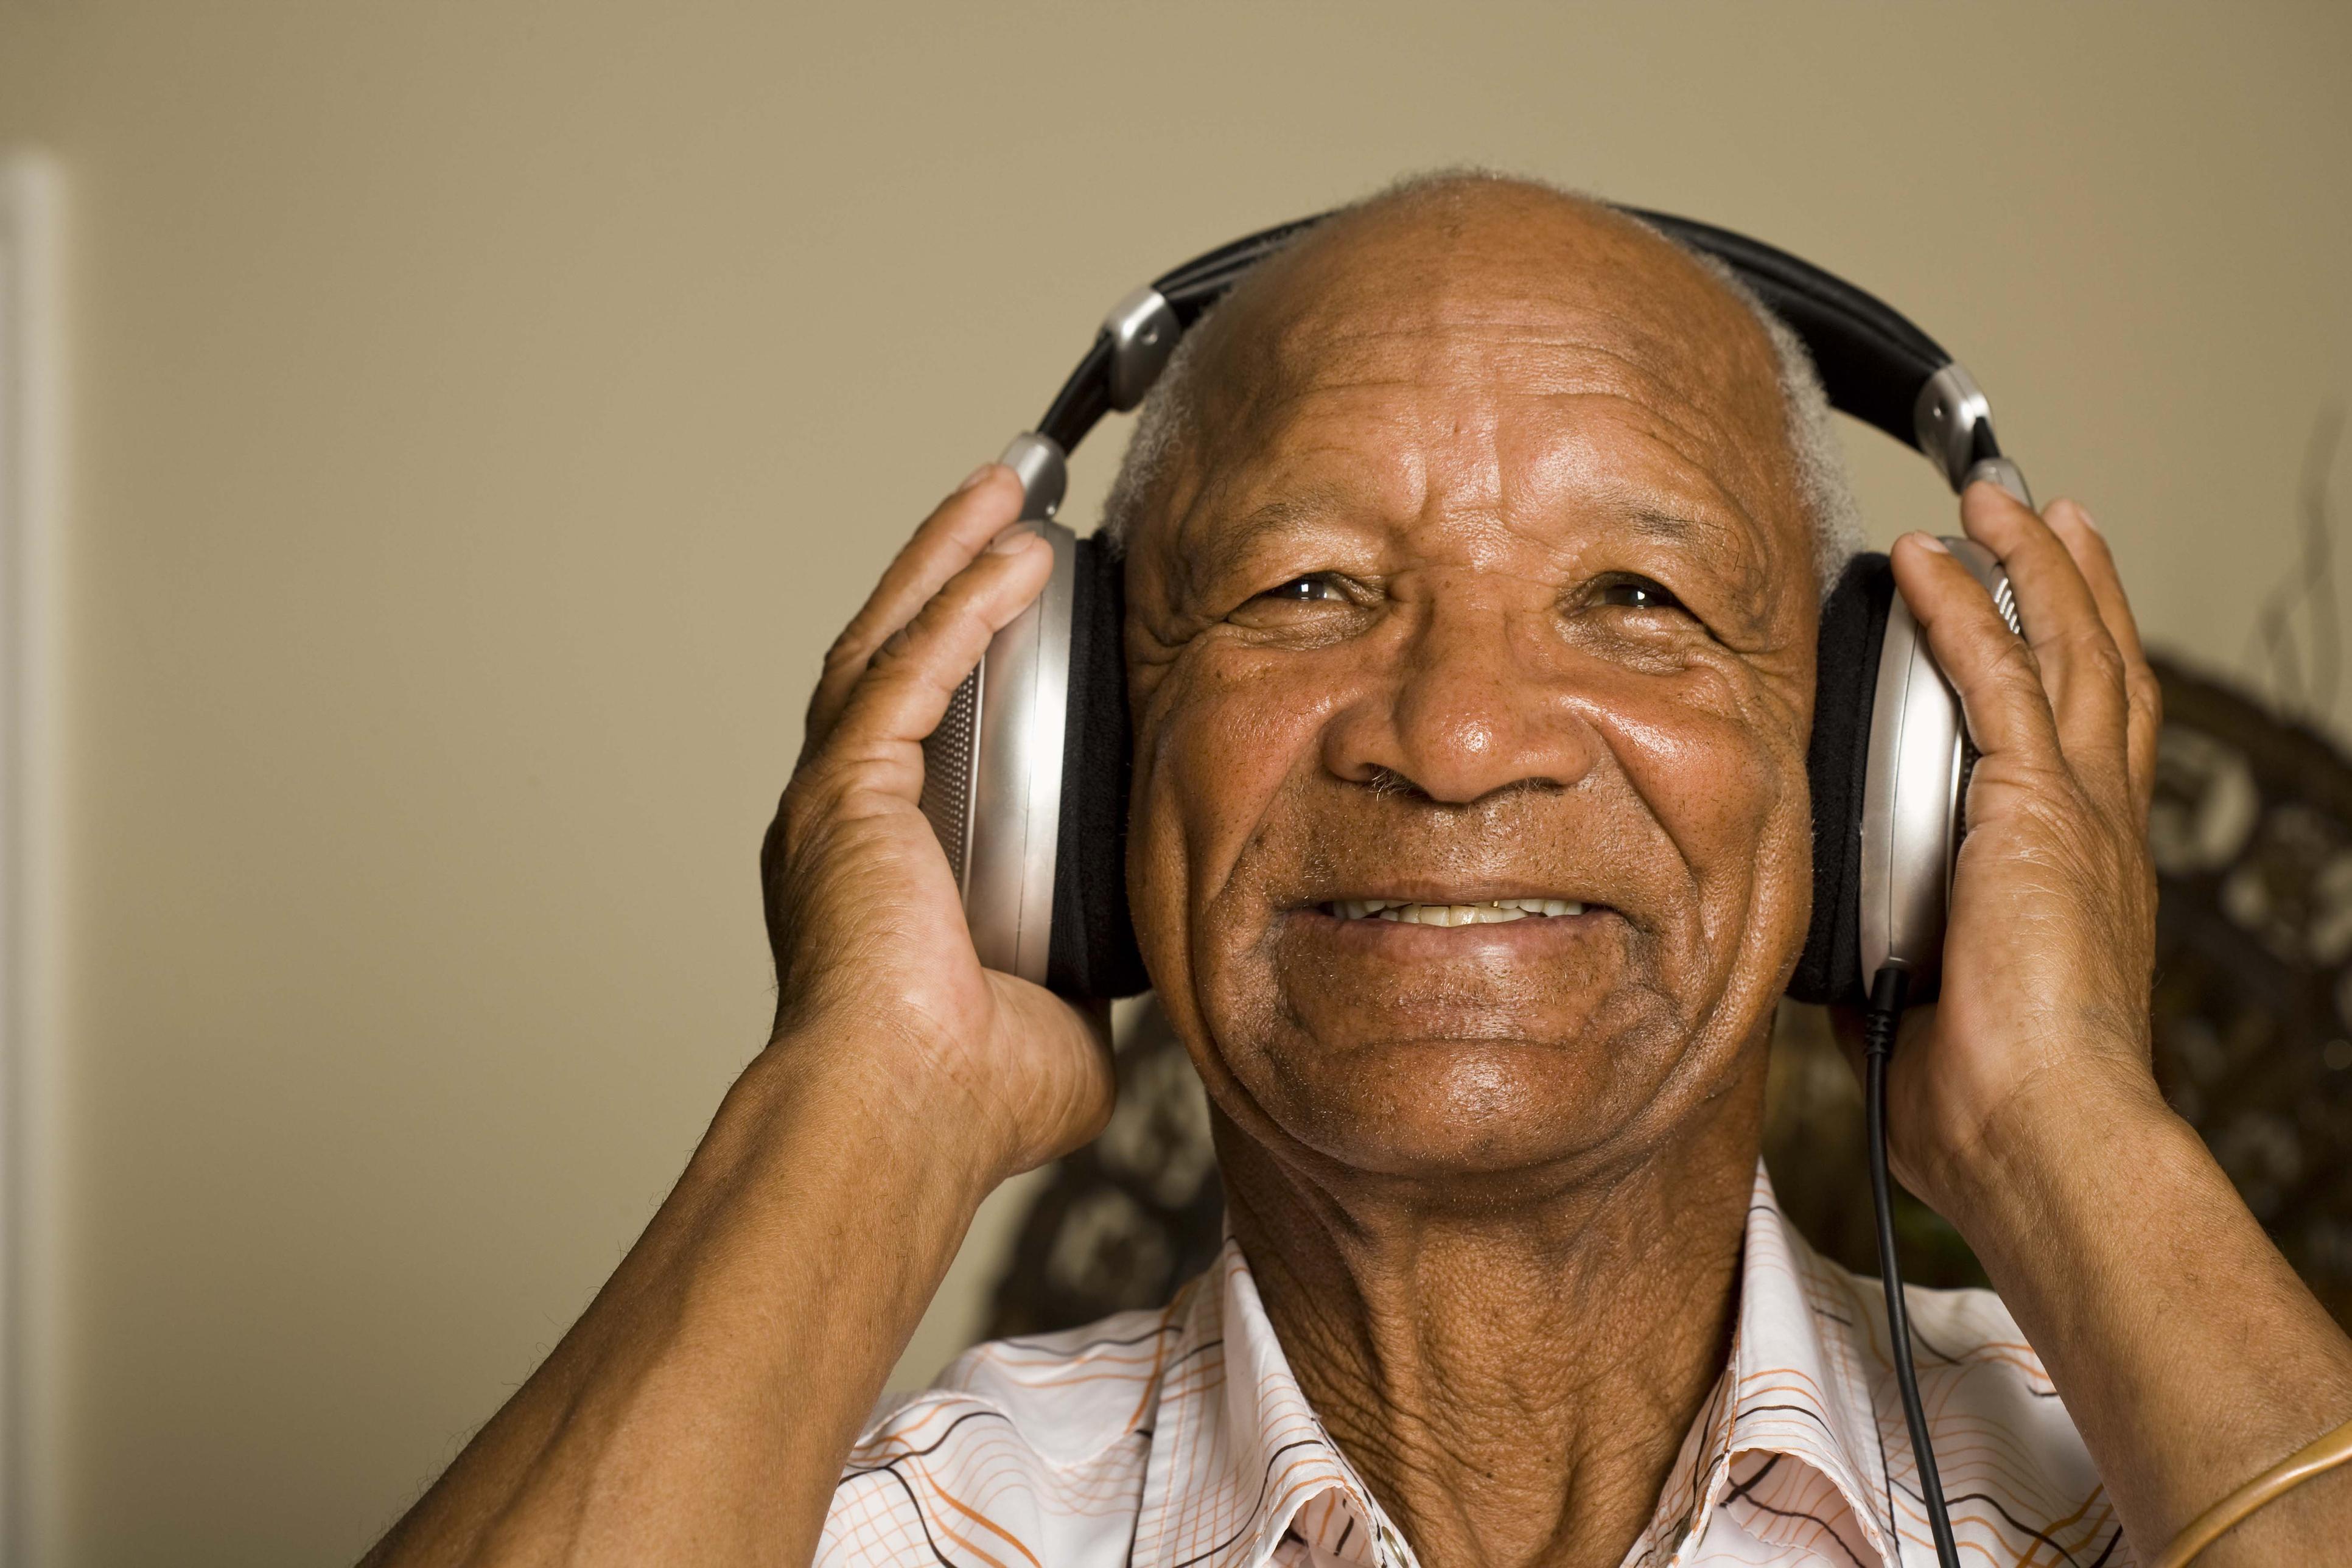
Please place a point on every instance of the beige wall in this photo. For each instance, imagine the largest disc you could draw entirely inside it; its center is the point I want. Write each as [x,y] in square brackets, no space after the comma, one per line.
[486,412]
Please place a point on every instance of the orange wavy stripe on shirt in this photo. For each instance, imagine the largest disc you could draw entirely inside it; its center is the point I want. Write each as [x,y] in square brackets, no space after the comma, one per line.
[1159,1360]
[1200,1377]
[1008,1366]
[1803,1378]
[2019,1345]
[1968,1446]
[941,1526]
[985,1523]
[1136,1375]
[2033,1548]
[1921,1537]
[2024,1360]
[1281,1492]
[2021,1357]
[1992,1353]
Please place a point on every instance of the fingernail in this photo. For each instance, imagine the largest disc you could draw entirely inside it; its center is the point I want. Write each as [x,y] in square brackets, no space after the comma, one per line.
[974,478]
[1929,542]
[1013,540]
[2085,513]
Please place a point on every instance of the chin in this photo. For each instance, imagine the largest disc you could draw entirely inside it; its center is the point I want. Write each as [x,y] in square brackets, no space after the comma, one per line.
[1548,1051]
[1435,1108]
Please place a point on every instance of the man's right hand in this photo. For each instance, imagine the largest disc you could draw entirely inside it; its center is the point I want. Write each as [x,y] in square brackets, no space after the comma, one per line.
[863,912]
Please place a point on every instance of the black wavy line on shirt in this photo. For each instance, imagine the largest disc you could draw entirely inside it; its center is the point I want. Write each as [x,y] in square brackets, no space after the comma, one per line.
[1827,1528]
[1698,1470]
[1946,1357]
[1135,1525]
[1940,1354]
[1740,1494]
[2014,1522]
[1744,1488]
[1815,1417]
[2109,1550]
[1807,1411]
[1264,1481]
[1887,1469]
[890,1468]
[917,1452]
[2019,1525]
[1188,1355]
[949,1431]
[916,1504]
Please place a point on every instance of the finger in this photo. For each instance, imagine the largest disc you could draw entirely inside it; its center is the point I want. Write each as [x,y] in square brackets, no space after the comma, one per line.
[2143,696]
[2081,669]
[957,530]
[2001,694]
[905,690]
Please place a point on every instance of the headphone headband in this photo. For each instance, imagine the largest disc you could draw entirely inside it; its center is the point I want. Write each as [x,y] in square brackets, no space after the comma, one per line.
[1874,364]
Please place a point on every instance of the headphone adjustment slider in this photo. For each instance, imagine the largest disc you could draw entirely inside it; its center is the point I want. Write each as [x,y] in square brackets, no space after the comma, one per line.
[1142,331]
[1044,473]
[1999,471]
[1950,408]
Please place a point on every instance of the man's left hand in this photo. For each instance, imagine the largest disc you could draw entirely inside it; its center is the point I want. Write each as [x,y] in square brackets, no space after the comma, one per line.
[2050,943]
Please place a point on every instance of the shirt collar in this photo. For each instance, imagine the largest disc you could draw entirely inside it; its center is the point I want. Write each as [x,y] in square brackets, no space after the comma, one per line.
[1239,1464]
[1797,1387]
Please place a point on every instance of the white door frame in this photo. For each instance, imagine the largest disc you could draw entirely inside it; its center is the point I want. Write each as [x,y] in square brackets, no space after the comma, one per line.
[31,477]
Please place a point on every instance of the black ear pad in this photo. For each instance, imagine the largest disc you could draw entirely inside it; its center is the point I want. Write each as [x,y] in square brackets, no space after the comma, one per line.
[1091,951]
[1845,683]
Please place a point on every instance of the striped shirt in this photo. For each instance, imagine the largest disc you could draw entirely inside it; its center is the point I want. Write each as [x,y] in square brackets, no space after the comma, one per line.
[1180,1439]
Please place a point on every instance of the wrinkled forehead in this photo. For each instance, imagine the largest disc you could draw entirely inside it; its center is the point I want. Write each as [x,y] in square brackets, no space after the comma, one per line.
[1506,298]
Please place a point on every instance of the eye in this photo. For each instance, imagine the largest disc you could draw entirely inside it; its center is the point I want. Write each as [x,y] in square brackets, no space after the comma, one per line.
[1307,590]
[1638,594]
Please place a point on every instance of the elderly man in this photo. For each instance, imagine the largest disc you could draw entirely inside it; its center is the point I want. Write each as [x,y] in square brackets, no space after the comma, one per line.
[1473,556]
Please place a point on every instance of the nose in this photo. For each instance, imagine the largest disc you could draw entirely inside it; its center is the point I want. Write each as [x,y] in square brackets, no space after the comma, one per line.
[1467,707]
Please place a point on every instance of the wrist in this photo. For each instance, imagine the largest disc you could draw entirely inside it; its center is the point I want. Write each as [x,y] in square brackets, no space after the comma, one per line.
[2053,1147]
[882,1102]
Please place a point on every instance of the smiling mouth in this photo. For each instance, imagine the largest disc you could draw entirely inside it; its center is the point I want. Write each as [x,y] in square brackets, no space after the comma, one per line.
[1492,912]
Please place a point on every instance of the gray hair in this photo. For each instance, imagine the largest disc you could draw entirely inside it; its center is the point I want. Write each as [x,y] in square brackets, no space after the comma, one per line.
[1169,408]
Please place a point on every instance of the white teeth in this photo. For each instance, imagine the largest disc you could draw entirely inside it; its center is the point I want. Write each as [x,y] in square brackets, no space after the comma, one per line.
[1496,911]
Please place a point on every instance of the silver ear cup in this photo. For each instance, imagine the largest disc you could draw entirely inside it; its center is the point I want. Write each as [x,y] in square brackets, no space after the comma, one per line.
[1914,789]
[993,774]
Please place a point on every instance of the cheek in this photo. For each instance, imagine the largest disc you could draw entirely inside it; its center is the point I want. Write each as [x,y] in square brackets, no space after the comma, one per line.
[1216,741]
[1726,786]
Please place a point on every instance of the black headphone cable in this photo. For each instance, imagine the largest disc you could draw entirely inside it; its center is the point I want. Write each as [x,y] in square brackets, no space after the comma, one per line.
[1888,990]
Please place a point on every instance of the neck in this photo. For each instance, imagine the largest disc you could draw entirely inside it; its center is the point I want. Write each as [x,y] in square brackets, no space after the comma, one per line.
[1514,1380]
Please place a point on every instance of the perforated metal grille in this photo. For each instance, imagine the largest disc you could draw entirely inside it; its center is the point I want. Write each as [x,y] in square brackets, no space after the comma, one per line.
[2005,601]
[950,756]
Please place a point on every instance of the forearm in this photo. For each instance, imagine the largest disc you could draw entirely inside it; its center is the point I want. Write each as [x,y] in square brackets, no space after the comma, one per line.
[702,1405]
[2188,1353]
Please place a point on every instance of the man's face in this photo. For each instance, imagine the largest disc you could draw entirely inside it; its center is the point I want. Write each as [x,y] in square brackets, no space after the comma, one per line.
[1485,579]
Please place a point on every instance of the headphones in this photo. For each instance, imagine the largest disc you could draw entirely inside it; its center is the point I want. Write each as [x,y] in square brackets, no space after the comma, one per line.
[1025,779]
